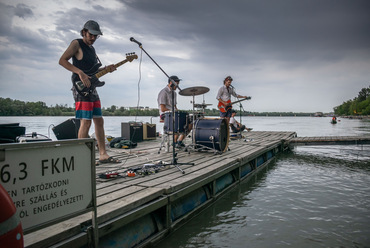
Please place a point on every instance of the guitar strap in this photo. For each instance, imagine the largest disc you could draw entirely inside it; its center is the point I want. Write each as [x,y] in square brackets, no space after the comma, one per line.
[98,60]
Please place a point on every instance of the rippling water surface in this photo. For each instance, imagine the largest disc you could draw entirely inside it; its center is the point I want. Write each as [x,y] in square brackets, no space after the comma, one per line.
[303,199]
[316,196]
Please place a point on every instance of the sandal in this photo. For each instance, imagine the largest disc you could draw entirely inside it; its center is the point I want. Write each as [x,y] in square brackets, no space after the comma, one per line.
[109,160]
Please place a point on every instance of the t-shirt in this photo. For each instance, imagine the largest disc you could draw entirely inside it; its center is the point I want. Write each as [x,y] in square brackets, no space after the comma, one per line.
[165,97]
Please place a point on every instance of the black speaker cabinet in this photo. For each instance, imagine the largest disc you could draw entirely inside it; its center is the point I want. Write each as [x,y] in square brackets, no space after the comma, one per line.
[149,131]
[67,129]
[132,131]
[10,131]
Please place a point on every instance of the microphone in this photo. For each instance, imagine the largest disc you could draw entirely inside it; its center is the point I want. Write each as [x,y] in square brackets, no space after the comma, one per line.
[133,40]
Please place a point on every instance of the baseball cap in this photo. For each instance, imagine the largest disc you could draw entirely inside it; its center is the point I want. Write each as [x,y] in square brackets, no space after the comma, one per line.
[93,27]
[174,78]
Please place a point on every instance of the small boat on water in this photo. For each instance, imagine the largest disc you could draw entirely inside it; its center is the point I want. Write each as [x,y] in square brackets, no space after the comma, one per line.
[333,120]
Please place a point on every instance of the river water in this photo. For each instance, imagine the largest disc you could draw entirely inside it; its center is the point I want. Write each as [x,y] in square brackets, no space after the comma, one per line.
[314,196]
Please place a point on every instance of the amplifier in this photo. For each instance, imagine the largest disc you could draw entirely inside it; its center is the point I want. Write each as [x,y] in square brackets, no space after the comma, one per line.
[132,131]
[149,131]
[10,131]
[67,129]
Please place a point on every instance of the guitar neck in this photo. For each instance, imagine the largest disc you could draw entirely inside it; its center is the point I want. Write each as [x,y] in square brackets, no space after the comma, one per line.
[240,100]
[105,71]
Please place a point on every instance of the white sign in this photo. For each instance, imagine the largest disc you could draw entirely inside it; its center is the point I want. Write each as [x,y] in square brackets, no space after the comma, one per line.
[47,182]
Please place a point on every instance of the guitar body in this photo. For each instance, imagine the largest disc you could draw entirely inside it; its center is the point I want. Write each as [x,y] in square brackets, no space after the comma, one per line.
[224,108]
[94,75]
[82,89]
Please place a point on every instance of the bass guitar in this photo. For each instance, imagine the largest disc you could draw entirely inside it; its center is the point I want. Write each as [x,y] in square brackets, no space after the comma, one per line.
[95,75]
[224,108]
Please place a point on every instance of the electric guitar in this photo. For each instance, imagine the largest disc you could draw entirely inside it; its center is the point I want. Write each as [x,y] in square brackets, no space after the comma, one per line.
[224,108]
[95,75]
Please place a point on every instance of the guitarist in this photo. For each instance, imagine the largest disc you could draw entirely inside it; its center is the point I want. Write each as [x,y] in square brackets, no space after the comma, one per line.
[87,107]
[224,98]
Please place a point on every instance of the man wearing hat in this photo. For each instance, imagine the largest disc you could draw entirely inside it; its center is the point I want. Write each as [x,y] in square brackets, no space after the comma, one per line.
[165,104]
[87,107]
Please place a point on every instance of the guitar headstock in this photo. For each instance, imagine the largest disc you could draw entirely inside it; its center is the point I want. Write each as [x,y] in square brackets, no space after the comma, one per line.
[131,56]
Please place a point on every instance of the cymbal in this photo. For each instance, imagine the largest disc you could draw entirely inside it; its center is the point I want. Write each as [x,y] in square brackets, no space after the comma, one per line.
[194,91]
[203,105]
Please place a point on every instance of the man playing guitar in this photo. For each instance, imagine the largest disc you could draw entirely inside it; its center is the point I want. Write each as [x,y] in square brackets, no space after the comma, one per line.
[224,98]
[88,107]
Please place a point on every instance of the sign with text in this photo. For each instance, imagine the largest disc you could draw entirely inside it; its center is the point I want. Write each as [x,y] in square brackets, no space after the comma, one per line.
[48,180]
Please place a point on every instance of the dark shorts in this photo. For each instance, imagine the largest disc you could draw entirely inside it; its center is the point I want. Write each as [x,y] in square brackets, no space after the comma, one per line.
[226,114]
[237,130]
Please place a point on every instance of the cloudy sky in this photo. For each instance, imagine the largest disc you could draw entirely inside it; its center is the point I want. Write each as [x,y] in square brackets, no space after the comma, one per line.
[289,55]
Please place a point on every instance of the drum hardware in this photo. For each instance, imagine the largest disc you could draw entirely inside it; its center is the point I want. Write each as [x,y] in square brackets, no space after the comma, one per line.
[202,106]
[179,126]
[206,135]
[194,91]
[174,84]
[210,134]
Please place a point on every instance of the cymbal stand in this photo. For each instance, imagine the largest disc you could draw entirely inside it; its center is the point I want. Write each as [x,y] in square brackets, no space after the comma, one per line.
[173,85]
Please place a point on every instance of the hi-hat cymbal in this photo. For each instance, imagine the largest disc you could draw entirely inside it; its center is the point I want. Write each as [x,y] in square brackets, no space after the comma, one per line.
[194,91]
[203,105]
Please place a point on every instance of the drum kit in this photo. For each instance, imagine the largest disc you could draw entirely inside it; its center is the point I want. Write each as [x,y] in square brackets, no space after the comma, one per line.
[206,133]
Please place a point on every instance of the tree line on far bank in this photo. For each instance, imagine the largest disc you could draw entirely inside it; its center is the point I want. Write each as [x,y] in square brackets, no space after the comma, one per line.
[359,105]
[9,107]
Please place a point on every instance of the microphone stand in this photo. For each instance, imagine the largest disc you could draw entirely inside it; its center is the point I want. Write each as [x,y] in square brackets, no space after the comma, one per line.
[174,84]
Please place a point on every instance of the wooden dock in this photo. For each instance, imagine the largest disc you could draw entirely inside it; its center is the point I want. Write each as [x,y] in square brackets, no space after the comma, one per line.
[140,210]
[330,140]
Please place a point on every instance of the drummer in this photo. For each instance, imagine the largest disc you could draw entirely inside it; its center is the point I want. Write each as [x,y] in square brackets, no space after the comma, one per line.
[224,98]
[165,104]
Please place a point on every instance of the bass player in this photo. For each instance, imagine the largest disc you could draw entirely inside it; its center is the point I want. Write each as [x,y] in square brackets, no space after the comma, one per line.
[87,107]
[224,98]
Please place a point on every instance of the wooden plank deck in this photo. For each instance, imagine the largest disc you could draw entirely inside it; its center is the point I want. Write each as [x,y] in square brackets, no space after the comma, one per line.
[124,199]
[330,140]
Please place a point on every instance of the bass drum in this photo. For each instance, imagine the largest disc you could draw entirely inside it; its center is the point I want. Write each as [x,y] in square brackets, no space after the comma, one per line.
[212,133]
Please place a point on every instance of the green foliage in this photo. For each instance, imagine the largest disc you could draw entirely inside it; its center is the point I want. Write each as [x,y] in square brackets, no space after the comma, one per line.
[9,107]
[360,105]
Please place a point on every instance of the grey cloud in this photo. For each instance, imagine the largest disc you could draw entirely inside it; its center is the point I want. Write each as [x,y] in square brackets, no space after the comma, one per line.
[23,11]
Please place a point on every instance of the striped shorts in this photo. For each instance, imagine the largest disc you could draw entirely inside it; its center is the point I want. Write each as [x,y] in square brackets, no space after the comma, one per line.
[87,107]
[88,110]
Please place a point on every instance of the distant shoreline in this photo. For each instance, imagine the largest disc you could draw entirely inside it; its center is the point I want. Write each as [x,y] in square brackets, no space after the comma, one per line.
[272,114]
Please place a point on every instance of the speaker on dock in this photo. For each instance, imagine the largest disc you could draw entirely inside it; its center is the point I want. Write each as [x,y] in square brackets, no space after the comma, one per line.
[132,131]
[67,129]
[10,131]
[149,131]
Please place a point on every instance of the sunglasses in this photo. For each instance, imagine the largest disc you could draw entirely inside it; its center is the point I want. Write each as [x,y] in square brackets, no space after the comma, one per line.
[94,35]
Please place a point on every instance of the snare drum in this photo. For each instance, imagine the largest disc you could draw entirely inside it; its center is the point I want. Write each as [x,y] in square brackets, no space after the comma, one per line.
[212,133]
[181,121]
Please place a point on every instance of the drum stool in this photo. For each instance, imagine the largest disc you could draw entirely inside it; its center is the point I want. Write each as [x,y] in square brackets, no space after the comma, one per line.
[166,141]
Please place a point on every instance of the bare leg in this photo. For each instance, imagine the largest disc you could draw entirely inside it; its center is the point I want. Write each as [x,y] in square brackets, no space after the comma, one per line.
[85,125]
[100,137]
